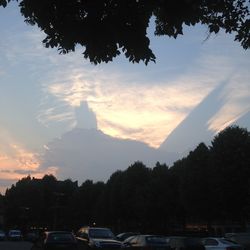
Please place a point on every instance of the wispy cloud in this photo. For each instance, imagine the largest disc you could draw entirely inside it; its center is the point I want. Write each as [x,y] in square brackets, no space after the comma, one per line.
[127,104]
[236,98]
[17,162]
[145,112]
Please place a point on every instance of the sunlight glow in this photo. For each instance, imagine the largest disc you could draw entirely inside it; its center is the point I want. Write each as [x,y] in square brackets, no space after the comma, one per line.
[145,112]
[17,162]
[236,98]
[135,111]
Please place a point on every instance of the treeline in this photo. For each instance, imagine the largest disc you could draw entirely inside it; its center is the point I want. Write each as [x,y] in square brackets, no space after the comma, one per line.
[210,185]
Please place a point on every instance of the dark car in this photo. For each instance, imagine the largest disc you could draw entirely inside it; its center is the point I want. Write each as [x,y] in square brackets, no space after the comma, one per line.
[124,236]
[149,242]
[55,240]
[97,237]
[240,238]
[2,235]
[185,243]
[32,235]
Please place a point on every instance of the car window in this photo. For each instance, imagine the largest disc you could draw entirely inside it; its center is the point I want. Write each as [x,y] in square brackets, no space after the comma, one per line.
[242,239]
[101,233]
[156,240]
[226,241]
[210,242]
[129,239]
[61,237]
[15,232]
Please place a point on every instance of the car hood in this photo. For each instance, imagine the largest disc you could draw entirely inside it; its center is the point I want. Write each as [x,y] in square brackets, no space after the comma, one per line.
[104,240]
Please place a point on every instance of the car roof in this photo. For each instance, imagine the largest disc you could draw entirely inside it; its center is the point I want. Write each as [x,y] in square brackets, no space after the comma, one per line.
[124,233]
[58,232]
[216,238]
[146,235]
[222,238]
[238,234]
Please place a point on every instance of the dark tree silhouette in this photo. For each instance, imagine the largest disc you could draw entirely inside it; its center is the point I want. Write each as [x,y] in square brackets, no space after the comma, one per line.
[107,28]
[195,184]
[210,185]
[230,154]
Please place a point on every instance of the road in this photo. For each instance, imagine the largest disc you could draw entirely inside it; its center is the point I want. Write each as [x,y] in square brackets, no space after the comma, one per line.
[17,245]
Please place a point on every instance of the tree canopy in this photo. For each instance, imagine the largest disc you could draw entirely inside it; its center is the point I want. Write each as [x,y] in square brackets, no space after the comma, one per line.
[107,28]
[210,185]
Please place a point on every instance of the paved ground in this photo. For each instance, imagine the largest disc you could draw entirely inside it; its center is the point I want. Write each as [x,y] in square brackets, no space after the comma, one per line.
[22,245]
[18,245]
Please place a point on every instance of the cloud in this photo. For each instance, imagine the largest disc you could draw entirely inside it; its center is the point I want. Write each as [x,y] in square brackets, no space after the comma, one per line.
[126,109]
[17,162]
[236,98]
[141,105]
[90,154]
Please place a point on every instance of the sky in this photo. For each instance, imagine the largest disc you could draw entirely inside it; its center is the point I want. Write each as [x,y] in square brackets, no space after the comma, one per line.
[62,115]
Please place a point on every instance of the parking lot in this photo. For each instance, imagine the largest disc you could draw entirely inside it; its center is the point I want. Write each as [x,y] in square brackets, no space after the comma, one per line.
[20,245]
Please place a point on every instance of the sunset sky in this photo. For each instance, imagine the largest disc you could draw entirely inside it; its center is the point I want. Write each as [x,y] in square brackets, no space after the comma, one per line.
[45,95]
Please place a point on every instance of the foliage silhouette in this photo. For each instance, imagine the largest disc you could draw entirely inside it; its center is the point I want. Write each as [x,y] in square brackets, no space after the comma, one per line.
[107,28]
[210,185]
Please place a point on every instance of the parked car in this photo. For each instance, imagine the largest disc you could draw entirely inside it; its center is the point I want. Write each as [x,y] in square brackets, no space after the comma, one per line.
[240,238]
[124,236]
[97,237]
[15,235]
[2,235]
[149,242]
[127,241]
[185,243]
[220,244]
[32,235]
[56,240]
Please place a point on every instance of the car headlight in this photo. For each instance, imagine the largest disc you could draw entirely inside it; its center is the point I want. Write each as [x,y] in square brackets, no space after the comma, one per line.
[94,243]
[97,244]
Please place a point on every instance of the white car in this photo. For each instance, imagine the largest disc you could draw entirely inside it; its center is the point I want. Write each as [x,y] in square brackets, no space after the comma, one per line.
[220,244]
[15,235]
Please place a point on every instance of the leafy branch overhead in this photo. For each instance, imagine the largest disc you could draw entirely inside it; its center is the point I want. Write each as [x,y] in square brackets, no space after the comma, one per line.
[107,28]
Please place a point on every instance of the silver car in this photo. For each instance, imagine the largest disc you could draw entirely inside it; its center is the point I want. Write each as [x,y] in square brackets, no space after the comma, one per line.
[220,244]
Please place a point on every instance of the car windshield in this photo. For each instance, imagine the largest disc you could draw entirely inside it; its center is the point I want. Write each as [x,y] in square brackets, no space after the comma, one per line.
[101,233]
[129,238]
[227,241]
[242,239]
[156,240]
[60,237]
[15,232]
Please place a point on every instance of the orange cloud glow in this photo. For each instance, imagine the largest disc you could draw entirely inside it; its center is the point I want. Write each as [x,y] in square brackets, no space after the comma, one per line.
[18,162]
